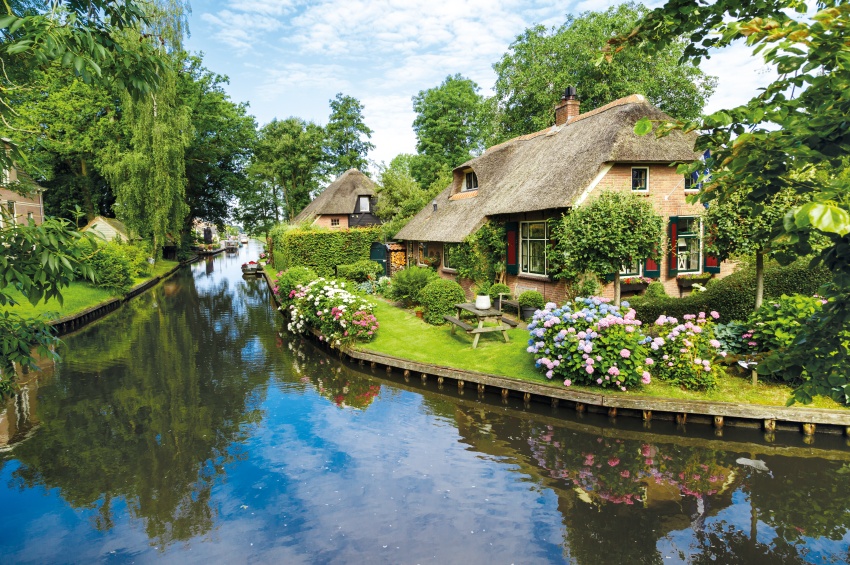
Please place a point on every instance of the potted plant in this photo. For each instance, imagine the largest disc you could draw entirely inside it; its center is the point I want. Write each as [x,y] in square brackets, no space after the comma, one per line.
[482,298]
[419,311]
[688,281]
[497,292]
[634,284]
[529,302]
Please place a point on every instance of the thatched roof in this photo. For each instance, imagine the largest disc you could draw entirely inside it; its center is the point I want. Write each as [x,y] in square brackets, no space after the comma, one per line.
[548,169]
[340,197]
[107,228]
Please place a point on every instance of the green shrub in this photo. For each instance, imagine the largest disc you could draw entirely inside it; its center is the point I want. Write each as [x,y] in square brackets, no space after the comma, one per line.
[439,298]
[289,279]
[734,297]
[655,290]
[361,271]
[111,267]
[686,351]
[731,337]
[776,323]
[530,299]
[498,289]
[407,283]
[138,255]
[321,249]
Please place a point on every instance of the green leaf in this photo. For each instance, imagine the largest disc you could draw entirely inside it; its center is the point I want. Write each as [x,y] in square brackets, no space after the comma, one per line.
[643,126]
[827,217]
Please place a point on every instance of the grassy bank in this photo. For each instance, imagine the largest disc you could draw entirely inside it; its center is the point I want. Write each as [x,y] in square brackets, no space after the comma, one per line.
[403,335]
[79,296]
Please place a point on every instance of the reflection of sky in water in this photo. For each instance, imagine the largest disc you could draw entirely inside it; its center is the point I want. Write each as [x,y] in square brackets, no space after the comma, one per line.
[738,517]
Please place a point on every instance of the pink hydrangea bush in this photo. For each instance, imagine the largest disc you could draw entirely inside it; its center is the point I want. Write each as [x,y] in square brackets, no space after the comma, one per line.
[688,353]
[329,308]
[591,342]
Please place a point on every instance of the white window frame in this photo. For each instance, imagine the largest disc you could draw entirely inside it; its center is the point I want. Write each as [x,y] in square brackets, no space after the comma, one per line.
[681,264]
[523,251]
[695,186]
[626,272]
[446,248]
[470,181]
[334,222]
[640,190]
[368,208]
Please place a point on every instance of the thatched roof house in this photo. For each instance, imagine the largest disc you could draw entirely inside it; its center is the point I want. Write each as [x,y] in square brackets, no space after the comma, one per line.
[526,180]
[109,229]
[347,202]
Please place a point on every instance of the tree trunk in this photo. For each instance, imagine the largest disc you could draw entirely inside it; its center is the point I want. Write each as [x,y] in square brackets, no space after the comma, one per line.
[616,289]
[759,278]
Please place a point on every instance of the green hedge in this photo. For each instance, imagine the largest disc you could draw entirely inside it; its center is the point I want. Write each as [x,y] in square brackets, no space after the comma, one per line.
[112,268]
[361,271]
[734,297]
[320,249]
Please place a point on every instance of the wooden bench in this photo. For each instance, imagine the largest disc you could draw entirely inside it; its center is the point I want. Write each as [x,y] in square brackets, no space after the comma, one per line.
[508,321]
[459,323]
[515,302]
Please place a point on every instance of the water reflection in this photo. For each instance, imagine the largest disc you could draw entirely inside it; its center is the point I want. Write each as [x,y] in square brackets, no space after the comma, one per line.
[186,425]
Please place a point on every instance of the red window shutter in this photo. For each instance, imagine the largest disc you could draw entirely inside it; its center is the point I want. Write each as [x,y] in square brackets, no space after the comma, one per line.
[651,269]
[672,258]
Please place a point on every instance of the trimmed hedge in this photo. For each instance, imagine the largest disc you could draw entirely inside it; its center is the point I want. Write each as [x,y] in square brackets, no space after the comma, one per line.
[320,249]
[734,297]
[439,298]
[361,271]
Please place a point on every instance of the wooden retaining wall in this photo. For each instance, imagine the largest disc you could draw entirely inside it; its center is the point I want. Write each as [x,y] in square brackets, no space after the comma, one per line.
[718,414]
[68,324]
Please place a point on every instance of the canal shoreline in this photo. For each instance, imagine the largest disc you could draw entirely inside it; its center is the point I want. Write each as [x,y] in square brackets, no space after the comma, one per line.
[73,322]
[809,421]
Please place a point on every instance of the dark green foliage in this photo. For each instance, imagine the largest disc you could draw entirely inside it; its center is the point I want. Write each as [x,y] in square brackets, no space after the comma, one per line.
[138,254]
[360,271]
[344,145]
[733,297]
[111,267]
[777,322]
[499,288]
[731,337]
[530,299]
[655,290]
[287,280]
[407,284]
[321,250]
[439,298]
[481,256]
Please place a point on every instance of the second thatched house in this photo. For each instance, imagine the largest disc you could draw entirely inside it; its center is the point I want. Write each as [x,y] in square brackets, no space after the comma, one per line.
[527,180]
[348,202]
[109,229]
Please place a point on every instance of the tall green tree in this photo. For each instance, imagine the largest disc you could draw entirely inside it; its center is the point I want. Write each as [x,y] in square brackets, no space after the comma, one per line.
[448,127]
[601,237]
[791,135]
[541,63]
[345,147]
[287,164]
[400,196]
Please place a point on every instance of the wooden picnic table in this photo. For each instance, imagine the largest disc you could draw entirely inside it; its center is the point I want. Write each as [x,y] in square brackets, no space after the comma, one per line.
[489,315]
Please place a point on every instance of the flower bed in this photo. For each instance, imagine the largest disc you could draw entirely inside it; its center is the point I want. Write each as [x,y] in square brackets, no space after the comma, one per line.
[689,351]
[336,314]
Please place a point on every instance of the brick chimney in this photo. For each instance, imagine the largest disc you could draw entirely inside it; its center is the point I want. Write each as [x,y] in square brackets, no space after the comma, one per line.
[567,108]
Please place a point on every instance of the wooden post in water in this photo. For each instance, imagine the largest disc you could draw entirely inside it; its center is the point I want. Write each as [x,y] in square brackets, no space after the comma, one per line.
[770,425]
[481,387]
[505,393]
[555,402]
[424,377]
[647,415]
[579,407]
[612,412]
[809,430]
[682,418]
[718,422]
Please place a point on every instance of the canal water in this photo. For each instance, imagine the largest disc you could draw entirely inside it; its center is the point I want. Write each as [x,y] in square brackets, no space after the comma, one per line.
[186,428]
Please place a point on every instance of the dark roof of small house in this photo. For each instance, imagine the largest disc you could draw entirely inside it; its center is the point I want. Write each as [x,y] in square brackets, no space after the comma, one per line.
[546,170]
[340,197]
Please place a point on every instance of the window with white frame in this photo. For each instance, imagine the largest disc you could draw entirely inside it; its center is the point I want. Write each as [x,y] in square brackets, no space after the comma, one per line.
[448,251]
[691,184]
[334,222]
[471,181]
[689,245]
[533,242]
[632,270]
[364,205]
[640,179]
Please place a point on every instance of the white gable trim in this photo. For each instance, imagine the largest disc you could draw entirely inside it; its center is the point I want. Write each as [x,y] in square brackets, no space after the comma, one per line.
[586,192]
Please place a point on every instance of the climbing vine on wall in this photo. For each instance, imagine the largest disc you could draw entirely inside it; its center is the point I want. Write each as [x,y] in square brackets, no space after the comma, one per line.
[481,256]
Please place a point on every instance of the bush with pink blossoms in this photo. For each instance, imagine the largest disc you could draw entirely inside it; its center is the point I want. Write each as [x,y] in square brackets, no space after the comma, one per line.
[591,342]
[328,307]
[688,353]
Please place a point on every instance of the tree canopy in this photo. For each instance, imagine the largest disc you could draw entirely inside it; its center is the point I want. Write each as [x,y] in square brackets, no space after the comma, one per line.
[344,145]
[542,62]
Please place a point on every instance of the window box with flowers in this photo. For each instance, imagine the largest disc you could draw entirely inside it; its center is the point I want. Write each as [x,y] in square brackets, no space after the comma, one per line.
[634,284]
[688,281]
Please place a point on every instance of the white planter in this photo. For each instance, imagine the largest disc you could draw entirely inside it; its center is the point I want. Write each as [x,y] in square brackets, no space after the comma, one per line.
[482,302]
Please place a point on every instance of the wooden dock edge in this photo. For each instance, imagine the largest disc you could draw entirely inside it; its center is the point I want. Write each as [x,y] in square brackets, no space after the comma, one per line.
[719,414]
[74,322]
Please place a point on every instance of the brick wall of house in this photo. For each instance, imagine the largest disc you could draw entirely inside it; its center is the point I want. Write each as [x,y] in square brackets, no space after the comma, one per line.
[324,221]
[23,205]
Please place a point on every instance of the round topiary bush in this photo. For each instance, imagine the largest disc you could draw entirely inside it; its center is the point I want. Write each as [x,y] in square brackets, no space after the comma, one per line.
[498,289]
[439,298]
[530,299]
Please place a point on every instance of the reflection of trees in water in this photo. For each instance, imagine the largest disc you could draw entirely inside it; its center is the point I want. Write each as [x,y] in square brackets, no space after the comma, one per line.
[619,497]
[155,420]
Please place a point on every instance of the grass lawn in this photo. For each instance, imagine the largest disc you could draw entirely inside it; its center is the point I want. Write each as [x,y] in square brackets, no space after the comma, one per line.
[402,334]
[78,296]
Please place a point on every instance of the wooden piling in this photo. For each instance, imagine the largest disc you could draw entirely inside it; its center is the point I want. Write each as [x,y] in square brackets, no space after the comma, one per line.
[647,415]
[770,426]
[580,407]
[480,387]
[460,385]
[682,418]
[808,429]
[555,403]
[718,422]
[612,412]
[505,393]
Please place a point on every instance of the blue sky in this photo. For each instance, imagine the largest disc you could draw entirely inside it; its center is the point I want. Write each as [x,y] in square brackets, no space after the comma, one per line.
[290,57]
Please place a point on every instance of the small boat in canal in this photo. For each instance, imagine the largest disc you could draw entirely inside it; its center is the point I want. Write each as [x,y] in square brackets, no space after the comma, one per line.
[231,245]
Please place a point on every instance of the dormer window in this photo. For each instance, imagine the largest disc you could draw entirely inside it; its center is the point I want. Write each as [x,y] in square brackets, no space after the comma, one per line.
[471,181]
[364,204]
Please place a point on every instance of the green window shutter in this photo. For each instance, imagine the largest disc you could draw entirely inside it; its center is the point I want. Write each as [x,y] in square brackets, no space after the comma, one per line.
[512,251]
[610,277]
[672,259]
